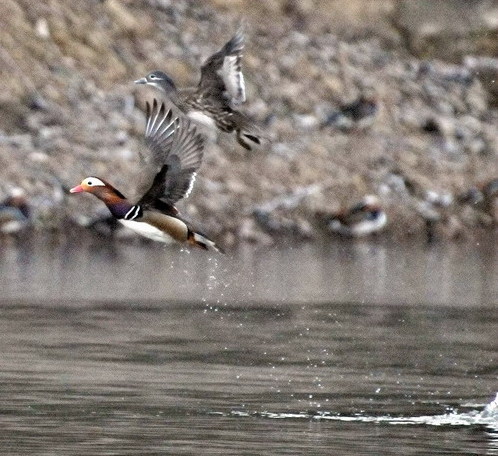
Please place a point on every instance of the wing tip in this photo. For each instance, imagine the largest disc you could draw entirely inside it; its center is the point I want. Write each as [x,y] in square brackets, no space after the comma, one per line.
[236,44]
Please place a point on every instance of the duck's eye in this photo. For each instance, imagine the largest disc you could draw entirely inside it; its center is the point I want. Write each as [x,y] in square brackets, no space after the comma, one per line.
[89,183]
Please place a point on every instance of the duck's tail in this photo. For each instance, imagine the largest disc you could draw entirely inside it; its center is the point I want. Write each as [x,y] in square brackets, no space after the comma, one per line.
[247,131]
[203,242]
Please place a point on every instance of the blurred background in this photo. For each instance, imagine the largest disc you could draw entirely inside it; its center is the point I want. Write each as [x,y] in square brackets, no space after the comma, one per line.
[391,98]
[379,120]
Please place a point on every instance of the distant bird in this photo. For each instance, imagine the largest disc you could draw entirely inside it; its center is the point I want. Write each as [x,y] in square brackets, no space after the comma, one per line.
[483,197]
[14,212]
[175,150]
[220,89]
[431,214]
[479,193]
[437,210]
[359,114]
[366,217]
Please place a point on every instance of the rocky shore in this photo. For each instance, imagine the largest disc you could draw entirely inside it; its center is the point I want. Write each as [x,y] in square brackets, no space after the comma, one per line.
[429,150]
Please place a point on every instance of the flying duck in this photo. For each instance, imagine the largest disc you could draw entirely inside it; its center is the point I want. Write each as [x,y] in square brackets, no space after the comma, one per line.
[220,89]
[175,150]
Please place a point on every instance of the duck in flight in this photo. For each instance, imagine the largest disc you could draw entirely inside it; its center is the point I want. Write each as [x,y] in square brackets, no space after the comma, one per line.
[167,171]
[220,89]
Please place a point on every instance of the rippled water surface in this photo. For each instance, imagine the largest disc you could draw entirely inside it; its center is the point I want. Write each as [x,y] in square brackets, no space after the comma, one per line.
[344,349]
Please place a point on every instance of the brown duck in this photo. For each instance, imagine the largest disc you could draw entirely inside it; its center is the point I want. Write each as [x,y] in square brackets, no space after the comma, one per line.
[220,89]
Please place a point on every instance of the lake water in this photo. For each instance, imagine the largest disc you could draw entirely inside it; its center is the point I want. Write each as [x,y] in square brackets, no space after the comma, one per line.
[330,349]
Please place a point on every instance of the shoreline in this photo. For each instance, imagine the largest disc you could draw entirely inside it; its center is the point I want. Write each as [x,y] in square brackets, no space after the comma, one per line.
[71,110]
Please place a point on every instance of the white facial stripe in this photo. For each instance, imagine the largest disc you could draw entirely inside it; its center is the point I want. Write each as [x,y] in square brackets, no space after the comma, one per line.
[93,182]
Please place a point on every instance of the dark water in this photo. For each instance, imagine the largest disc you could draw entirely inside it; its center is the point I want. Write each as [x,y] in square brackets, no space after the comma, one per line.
[347,349]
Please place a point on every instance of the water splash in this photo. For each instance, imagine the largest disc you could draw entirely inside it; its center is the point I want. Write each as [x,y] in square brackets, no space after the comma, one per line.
[212,281]
[487,417]
[215,286]
[491,410]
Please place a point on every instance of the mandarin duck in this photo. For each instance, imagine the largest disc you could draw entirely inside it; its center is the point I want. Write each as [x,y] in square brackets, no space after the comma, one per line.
[219,90]
[364,218]
[168,172]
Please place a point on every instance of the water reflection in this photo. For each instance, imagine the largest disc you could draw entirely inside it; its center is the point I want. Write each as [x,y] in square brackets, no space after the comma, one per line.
[445,274]
[134,350]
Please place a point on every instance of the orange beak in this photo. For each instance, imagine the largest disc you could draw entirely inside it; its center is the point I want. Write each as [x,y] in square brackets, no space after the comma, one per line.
[77,189]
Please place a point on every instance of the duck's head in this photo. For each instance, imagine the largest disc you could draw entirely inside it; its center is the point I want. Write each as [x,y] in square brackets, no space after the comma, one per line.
[159,80]
[369,205]
[99,187]
[90,185]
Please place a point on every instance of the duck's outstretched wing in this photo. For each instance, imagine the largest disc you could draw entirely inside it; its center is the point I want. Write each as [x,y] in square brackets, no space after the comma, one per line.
[221,74]
[175,153]
[159,133]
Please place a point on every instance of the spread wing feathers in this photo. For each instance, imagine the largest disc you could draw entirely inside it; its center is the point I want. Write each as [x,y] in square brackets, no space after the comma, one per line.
[176,153]
[159,132]
[186,158]
[221,74]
